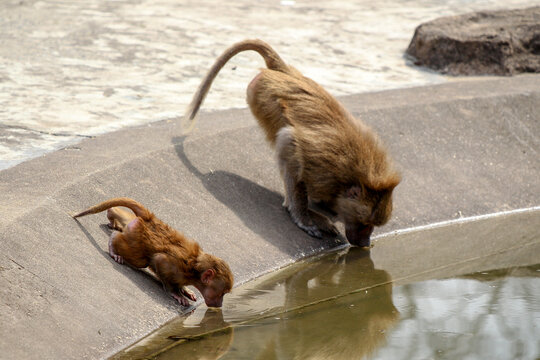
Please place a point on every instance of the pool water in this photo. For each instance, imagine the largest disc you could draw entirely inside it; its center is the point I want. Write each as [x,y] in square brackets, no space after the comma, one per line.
[485,315]
[463,291]
[488,315]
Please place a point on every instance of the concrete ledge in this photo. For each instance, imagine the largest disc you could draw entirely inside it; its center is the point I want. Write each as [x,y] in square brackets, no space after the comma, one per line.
[465,148]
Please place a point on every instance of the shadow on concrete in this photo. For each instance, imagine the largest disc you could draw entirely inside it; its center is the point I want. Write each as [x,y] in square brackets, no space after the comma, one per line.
[258,207]
[93,241]
[139,277]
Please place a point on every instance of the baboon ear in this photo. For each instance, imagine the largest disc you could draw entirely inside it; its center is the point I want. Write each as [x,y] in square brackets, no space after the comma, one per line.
[354,192]
[208,275]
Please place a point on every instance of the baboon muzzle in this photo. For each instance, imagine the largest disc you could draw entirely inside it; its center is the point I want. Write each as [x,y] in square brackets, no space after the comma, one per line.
[359,234]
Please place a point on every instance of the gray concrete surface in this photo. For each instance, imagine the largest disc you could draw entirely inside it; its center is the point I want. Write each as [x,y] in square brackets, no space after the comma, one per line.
[465,148]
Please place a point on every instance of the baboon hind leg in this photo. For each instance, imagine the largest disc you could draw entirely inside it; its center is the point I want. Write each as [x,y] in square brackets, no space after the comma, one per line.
[119,218]
[122,250]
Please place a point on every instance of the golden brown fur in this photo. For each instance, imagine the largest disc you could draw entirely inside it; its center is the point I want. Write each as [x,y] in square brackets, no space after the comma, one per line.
[324,154]
[141,240]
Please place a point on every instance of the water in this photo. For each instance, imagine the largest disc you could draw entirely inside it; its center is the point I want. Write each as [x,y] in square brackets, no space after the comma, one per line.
[70,70]
[464,291]
[493,315]
[485,315]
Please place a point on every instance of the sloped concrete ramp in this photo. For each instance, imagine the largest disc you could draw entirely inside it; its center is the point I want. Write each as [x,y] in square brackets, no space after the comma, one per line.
[465,148]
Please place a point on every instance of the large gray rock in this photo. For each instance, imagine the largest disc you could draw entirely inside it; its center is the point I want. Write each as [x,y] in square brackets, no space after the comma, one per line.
[498,42]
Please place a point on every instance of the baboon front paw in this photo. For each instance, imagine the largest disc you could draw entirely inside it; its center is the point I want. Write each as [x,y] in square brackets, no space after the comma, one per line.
[312,230]
[331,229]
[188,293]
[323,223]
[328,228]
[305,223]
[182,300]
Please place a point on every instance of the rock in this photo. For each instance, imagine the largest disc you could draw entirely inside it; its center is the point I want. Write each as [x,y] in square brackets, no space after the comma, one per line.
[503,42]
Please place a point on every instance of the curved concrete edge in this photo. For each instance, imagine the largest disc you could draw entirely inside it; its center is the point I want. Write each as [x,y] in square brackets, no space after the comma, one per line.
[465,148]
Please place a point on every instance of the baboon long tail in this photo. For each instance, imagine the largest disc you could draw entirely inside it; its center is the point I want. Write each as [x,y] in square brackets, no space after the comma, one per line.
[271,58]
[136,207]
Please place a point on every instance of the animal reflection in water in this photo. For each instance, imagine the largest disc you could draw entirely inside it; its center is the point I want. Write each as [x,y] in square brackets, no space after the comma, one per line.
[350,326]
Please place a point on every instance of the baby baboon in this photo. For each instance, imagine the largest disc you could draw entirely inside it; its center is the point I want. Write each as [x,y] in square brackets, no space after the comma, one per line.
[141,240]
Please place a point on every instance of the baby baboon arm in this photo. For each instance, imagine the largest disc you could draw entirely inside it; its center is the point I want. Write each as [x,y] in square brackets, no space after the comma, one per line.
[171,278]
[182,300]
[183,296]
[188,293]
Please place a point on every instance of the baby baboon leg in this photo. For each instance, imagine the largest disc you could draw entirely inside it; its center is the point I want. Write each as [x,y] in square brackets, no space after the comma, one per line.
[123,250]
[119,218]
[115,238]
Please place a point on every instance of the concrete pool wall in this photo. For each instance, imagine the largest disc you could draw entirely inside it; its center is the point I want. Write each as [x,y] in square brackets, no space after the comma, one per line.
[465,148]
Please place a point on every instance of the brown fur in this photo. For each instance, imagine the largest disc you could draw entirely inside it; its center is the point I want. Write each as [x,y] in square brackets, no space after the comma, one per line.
[141,240]
[324,154]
